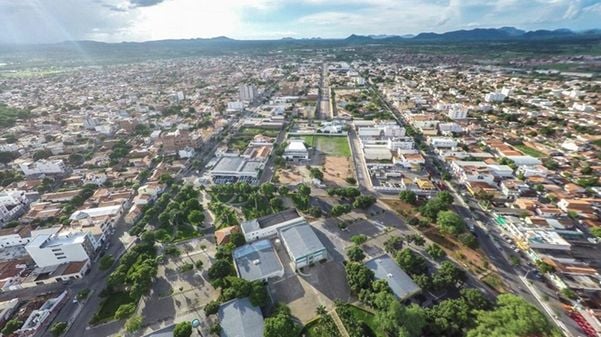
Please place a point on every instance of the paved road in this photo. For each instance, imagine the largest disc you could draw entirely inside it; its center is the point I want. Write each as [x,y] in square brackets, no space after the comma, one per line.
[323,105]
[268,170]
[363,178]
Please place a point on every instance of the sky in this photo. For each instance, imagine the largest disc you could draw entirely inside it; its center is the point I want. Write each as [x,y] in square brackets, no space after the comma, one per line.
[48,21]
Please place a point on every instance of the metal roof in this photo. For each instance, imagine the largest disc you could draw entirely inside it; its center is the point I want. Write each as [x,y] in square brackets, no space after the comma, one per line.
[257,261]
[239,318]
[301,240]
[385,268]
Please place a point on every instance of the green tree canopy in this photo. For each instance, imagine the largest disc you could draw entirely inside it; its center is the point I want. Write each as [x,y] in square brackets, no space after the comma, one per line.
[512,316]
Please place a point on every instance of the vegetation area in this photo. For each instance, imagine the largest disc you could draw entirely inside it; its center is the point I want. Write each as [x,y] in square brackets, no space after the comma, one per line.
[254,201]
[9,116]
[245,135]
[336,146]
[530,151]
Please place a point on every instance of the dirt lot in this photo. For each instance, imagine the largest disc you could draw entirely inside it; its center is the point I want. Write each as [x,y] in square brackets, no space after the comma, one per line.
[335,171]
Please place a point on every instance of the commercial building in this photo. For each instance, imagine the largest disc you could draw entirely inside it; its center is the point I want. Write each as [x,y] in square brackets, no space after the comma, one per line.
[303,245]
[239,318]
[51,250]
[230,169]
[385,268]
[257,261]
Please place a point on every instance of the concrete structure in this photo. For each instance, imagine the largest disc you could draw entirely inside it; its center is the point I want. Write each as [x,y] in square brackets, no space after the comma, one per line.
[268,226]
[239,318]
[233,169]
[50,250]
[43,167]
[257,261]
[385,268]
[303,245]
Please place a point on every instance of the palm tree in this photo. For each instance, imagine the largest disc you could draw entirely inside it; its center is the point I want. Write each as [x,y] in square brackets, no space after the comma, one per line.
[321,310]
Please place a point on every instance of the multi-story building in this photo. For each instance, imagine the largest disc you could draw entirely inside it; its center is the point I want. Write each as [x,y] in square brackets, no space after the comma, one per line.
[248,93]
[51,250]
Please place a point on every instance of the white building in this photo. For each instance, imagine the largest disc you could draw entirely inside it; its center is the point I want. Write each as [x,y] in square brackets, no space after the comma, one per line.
[296,149]
[51,250]
[248,93]
[43,167]
[457,111]
[442,142]
[494,97]
[20,236]
[12,204]
[269,225]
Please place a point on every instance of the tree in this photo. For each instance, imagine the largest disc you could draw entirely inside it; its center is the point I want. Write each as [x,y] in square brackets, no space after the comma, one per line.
[392,244]
[276,203]
[416,239]
[449,318]
[182,329]
[237,239]
[475,299]
[280,325]
[358,276]
[402,321]
[196,217]
[364,201]
[408,196]
[468,239]
[211,308]
[435,251]
[339,210]
[544,267]
[358,239]
[58,328]
[450,223]
[447,276]
[258,294]
[355,253]
[512,316]
[106,262]
[125,311]
[316,173]
[133,324]
[411,262]
[304,190]
[11,326]
[219,270]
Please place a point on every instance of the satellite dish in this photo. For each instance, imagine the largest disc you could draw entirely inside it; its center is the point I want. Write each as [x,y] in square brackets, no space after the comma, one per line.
[195,323]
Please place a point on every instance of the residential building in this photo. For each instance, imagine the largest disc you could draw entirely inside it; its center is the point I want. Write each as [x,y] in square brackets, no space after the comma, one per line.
[43,166]
[401,284]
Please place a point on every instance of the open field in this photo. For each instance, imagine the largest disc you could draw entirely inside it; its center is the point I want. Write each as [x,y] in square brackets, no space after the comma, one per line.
[336,146]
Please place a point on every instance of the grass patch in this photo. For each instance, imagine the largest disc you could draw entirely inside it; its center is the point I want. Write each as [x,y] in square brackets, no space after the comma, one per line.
[336,146]
[256,131]
[529,151]
[109,306]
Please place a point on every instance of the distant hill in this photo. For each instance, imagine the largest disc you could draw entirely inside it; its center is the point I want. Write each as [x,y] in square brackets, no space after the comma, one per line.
[504,33]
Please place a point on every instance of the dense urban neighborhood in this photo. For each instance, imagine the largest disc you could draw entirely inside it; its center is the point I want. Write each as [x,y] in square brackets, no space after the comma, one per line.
[313,192]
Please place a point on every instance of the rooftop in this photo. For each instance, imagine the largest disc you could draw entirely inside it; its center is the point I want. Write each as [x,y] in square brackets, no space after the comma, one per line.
[257,261]
[239,318]
[385,268]
[301,240]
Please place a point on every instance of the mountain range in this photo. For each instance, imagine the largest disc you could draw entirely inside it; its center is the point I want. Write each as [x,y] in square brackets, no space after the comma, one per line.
[478,34]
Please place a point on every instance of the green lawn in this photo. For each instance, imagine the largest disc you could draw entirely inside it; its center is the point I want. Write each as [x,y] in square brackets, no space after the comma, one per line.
[363,318]
[109,306]
[530,151]
[336,146]
[255,131]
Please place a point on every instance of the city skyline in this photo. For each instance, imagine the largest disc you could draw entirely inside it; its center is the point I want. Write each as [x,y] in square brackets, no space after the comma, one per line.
[41,21]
